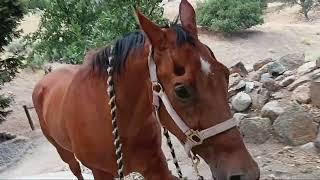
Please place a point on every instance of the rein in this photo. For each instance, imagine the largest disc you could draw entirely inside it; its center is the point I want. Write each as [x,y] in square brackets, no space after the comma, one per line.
[194,137]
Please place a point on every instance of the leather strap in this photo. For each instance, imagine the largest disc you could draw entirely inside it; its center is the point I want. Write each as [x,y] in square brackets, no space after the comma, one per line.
[194,137]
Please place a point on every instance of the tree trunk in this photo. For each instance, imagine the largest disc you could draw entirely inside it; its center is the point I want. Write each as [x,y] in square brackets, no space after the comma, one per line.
[305,7]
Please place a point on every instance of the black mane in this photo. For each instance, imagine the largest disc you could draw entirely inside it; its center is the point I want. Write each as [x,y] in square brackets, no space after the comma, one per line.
[123,46]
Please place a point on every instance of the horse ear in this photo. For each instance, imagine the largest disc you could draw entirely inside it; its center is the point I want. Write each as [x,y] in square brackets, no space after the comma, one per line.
[152,31]
[188,18]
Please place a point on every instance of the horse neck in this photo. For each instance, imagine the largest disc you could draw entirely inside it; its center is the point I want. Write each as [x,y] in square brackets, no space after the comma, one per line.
[134,99]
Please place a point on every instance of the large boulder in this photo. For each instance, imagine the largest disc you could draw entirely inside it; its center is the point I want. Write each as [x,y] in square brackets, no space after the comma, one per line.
[256,130]
[241,101]
[295,126]
[272,110]
[292,61]
[302,94]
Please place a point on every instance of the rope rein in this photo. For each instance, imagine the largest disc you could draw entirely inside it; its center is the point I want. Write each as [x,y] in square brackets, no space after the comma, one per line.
[113,106]
[172,151]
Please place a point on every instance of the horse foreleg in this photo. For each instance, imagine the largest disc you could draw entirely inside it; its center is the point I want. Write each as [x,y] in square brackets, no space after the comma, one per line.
[69,158]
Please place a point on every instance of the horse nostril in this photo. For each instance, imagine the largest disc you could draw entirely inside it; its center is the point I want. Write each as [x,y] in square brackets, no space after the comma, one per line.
[236,177]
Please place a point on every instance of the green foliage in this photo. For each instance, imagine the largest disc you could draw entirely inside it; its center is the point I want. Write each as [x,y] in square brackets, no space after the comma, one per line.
[11,12]
[36,4]
[70,27]
[4,104]
[230,15]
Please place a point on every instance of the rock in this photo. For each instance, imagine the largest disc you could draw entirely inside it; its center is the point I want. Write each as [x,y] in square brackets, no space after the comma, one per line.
[292,61]
[265,77]
[235,89]
[315,74]
[298,82]
[279,95]
[302,94]
[288,73]
[309,148]
[318,63]
[259,98]
[306,68]
[234,79]
[276,69]
[239,116]
[249,87]
[264,69]
[254,76]
[295,126]
[272,110]
[315,92]
[257,84]
[317,141]
[261,63]
[280,78]
[241,101]
[271,85]
[287,81]
[255,130]
[240,69]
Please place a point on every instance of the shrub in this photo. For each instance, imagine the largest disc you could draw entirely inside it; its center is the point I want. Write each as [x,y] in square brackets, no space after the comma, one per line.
[230,15]
[69,28]
[11,12]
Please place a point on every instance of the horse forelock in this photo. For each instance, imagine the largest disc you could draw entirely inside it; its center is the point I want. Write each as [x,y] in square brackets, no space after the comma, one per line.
[98,59]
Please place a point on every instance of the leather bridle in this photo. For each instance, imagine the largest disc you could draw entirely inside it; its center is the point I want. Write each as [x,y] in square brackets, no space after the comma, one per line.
[193,137]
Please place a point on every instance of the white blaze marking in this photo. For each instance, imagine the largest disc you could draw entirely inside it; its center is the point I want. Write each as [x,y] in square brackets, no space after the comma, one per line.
[205,66]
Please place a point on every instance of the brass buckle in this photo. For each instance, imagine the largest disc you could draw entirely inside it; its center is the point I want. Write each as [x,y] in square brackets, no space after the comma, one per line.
[194,137]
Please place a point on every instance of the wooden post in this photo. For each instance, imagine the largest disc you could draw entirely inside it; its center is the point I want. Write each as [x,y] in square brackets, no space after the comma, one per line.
[29,117]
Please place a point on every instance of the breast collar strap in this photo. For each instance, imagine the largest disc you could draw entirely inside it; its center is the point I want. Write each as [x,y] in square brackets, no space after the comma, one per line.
[194,137]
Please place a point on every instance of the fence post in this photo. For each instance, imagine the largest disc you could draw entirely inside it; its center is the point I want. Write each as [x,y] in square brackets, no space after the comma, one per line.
[28,116]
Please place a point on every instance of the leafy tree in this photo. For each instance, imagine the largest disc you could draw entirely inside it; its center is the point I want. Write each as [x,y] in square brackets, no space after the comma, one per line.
[70,27]
[36,4]
[11,12]
[230,15]
[306,5]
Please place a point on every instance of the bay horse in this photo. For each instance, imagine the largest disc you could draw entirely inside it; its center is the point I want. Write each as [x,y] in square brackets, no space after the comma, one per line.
[72,107]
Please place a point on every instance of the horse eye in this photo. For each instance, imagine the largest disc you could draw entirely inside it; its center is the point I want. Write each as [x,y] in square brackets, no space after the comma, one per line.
[183,93]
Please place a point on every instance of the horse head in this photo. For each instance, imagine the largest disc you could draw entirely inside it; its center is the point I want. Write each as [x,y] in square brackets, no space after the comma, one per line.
[191,88]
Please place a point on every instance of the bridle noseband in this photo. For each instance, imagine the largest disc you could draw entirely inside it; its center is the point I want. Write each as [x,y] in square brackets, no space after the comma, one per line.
[193,137]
